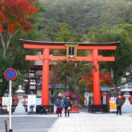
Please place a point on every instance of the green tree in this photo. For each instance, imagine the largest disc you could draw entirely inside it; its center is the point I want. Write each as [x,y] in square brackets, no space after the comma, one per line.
[81,15]
[121,32]
[69,72]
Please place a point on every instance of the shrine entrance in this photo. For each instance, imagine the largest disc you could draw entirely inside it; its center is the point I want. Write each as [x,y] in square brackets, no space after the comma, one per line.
[71,48]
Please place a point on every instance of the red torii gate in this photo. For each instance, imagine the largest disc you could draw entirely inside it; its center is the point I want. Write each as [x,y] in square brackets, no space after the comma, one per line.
[45,57]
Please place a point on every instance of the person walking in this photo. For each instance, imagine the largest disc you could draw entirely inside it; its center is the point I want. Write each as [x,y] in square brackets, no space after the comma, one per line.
[118,105]
[67,106]
[59,105]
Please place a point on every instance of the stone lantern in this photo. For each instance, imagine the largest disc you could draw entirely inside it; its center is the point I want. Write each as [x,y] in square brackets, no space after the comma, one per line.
[20,91]
[126,107]
[20,110]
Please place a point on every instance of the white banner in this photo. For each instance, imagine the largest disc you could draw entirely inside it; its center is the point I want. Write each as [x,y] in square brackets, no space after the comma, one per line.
[104,100]
[38,101]
[5,103]
[31,103]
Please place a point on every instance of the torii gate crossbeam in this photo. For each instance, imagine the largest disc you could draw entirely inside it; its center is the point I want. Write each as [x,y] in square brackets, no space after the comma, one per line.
[45,57]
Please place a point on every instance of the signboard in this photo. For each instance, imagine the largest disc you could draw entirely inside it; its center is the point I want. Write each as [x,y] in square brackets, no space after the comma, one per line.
[10,74]
[112,104]
[86,101]
[104,100]
[38,101]
[5,103]
[71,51]
[31,103]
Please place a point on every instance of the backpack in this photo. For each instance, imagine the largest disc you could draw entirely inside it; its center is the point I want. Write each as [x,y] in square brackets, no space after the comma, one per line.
[118,102]
[67,103]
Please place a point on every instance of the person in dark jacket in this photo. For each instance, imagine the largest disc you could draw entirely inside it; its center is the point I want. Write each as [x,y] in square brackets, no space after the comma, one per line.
[67,106]
[118,105]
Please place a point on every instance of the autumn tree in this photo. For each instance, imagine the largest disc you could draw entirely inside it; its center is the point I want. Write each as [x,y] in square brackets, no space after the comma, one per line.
[86,81]
[15,16]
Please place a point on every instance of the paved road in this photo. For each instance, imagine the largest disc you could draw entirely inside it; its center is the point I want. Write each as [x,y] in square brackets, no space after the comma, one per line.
[86,122]
[77,122]
[30,123]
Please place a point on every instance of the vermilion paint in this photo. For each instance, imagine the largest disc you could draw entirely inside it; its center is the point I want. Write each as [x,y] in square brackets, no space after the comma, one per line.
[95,58]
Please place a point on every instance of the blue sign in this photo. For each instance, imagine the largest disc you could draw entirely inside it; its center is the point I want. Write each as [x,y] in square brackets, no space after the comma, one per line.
[71,51]
[10,74]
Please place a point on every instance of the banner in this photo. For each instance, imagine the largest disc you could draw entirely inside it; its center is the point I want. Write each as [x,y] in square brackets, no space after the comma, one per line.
[38,100]
[5,103]
[112,104]
[31,103]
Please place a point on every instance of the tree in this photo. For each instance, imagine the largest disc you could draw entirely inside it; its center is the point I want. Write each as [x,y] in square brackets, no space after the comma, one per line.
[70,72]
[122,33]
[86,81]
[15,16]
[81,15]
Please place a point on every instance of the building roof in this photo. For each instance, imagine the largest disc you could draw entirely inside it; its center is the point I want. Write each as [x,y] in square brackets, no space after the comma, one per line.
[23,41]
[127,85]
[105,88]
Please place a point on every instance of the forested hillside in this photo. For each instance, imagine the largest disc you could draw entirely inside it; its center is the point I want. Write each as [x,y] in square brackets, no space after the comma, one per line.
[81,15]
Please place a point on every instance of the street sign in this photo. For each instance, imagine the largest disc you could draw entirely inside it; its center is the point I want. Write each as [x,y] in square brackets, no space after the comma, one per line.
[10,74]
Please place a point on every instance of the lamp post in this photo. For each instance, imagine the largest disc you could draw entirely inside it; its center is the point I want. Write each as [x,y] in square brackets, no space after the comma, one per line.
[20,108]
[19,92]
[126,91]
[126,107]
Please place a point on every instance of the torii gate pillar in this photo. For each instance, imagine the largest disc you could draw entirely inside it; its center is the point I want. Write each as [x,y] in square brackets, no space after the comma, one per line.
[96,79]
[45,77]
